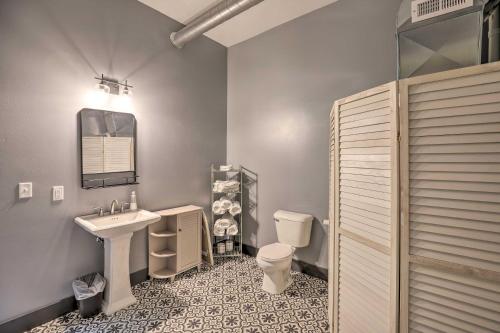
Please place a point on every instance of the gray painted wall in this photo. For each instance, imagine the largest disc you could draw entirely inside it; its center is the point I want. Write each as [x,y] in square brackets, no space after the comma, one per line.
[50,52]
[281,86]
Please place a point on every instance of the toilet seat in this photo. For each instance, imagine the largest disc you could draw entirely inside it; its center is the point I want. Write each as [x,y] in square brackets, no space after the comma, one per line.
[275,252]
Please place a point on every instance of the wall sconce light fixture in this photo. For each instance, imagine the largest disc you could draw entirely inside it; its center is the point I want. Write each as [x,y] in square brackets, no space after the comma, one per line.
[113,86]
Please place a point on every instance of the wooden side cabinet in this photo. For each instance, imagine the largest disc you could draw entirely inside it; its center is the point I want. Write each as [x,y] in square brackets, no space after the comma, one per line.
[175,242]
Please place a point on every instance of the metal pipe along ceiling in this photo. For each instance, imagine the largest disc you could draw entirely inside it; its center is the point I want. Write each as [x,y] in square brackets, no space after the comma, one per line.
[212,17]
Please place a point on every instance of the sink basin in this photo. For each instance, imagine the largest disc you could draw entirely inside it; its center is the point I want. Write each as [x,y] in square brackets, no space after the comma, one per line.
[117,231]
[109,226]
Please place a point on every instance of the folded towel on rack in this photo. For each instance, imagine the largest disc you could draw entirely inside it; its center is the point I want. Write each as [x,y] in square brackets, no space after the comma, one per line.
[217,208]
[222,186]
[225,202]
[232,230]
[235,208]
[226,167]
[219,231]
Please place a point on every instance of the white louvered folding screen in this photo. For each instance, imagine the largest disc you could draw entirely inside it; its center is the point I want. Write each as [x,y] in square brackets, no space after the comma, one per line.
[365,210]
[450,178]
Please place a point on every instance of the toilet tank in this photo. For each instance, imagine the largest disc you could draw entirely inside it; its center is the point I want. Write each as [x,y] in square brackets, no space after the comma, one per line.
[293,228]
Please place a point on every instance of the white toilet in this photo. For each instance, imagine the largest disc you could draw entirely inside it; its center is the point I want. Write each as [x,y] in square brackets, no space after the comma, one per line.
[294,230]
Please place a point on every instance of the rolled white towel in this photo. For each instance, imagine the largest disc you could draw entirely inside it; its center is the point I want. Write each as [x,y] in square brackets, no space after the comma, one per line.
[235,208]
[232,230]
[225,202]
[219,231]
[217,208]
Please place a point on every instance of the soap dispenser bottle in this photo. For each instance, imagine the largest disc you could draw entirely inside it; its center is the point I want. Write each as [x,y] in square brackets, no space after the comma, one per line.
[133,201]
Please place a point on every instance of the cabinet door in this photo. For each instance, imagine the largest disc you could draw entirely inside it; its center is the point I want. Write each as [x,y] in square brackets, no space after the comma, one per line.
[189,240]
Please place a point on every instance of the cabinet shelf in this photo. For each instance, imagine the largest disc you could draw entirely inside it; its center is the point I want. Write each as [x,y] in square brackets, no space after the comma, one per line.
[163,253]
[163,273]
[174,242]
[163,233]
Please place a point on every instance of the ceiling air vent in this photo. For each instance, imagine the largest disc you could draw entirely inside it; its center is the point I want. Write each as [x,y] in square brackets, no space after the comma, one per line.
[425,9]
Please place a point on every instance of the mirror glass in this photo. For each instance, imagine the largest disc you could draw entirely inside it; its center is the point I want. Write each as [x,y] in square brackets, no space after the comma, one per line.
[107,145]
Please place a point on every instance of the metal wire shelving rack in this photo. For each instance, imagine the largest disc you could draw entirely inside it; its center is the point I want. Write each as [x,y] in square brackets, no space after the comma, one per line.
[233,174]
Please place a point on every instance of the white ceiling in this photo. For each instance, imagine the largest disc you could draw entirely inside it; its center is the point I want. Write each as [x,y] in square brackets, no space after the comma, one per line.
[262,17]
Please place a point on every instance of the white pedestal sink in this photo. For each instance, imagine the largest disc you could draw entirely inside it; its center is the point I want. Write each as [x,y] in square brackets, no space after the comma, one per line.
[117,231]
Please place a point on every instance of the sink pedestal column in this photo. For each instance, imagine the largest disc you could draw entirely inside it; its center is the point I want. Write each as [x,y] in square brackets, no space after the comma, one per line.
[118,292]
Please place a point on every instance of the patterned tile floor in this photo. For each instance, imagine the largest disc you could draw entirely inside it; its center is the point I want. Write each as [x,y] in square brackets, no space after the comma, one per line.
[223,298]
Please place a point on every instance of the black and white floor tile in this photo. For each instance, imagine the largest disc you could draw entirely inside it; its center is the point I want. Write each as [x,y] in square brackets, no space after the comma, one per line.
[223,298]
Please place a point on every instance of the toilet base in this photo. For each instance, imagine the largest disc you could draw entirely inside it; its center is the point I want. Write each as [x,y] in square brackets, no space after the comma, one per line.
[276,285]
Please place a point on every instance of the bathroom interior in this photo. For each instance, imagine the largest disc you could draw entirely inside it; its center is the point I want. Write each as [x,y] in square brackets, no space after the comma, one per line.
[250,166]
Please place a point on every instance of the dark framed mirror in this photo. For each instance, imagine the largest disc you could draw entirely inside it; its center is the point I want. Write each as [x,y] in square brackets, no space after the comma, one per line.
[107,145]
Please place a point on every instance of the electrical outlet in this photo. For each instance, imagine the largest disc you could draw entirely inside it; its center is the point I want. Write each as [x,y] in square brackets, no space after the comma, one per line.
[25,190]
[57,193]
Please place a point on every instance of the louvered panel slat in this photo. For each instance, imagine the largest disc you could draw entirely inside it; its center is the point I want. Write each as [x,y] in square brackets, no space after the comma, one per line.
[455,213]
[457,129]
[365,108]
[366,136]
[383,96]
[454,139]
[365,143]
[456,232]
[456,195]
[369,114]
[482,307]
[381,205]
[457,111]
[459,158]
[453,82]
[366,172]
[366,212]
[457,204]
[455,167]
[462,317]
[431,312]
[459,101]
[457,176]
[366,179]
[366,165]
[365,122]
[453,254]
[367,129]
[457,245]
[422,324]
[366,186]
[456,120]
[365,231]
[454,186]
[456,148]
[487,88]
[381,219]
[365,158]
[383,226]
[469,225]
[366,193]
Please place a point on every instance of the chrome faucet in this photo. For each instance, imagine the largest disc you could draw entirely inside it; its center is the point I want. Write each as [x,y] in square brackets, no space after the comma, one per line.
[114,204]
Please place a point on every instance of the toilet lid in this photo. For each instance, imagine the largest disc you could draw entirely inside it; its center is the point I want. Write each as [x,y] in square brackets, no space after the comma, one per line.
[276,251]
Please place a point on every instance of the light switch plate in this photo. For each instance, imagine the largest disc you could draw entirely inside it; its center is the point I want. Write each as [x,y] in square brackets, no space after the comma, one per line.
[57,193]
[25,190]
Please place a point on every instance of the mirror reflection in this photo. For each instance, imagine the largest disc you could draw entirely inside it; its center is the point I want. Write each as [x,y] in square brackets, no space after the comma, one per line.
[107,141]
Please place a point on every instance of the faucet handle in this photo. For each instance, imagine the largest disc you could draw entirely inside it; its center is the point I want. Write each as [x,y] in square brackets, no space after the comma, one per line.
[100,210]
[122,209]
